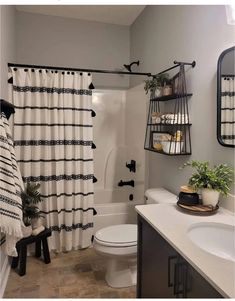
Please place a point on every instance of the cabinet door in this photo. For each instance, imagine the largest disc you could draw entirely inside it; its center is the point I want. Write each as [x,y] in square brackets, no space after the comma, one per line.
[163,273]
[156,259]
[197,287]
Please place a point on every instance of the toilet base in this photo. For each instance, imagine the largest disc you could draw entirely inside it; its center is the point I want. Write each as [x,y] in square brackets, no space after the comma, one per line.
[121,273]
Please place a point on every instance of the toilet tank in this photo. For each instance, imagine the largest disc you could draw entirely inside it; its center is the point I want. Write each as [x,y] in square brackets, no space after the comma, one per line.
[159,196]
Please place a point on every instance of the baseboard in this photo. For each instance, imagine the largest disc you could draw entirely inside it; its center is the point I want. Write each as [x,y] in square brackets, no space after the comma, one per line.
[4,274]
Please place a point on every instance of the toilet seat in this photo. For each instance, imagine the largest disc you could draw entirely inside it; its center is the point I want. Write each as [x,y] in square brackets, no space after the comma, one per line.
[117,236]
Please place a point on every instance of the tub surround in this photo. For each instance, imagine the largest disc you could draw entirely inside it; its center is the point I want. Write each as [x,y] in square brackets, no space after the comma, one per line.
[172,225]
[125,127]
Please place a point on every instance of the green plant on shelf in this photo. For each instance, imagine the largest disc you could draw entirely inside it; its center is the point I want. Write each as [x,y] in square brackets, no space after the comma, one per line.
[218,178]
[158,81]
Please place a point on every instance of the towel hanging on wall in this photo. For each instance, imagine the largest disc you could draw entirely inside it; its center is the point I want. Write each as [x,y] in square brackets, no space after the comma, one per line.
[10,189]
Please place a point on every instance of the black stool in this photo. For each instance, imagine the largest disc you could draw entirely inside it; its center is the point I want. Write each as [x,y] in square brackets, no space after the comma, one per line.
[21,247]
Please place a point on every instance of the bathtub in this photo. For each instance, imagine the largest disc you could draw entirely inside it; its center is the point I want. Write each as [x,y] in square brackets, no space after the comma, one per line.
[114,207]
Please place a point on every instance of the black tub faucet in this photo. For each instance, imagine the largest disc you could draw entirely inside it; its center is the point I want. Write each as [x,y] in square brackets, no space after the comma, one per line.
[127,183]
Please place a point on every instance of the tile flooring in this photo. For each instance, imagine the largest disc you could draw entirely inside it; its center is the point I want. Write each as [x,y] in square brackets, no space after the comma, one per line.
[76,274]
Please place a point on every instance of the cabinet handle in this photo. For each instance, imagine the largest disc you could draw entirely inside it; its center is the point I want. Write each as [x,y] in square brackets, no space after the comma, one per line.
[181,279]
[170,262]
[176,279]
[185,279]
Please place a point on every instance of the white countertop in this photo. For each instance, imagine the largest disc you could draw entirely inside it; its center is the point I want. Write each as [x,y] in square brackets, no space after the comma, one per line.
[173,224]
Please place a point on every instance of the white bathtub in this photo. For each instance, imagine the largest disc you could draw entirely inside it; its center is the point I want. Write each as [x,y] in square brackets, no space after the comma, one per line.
[114,214]
[111,212]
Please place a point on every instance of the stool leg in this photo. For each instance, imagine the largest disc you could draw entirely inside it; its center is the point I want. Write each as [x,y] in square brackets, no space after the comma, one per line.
[15,260]
[46,253]
[38,248]
[23,257]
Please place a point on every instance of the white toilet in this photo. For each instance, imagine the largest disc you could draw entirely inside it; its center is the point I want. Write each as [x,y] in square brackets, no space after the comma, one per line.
[119,244]
[159,196]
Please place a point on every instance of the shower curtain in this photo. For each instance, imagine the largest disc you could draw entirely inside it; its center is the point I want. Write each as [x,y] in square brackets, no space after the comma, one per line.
[228,109]
[52,134]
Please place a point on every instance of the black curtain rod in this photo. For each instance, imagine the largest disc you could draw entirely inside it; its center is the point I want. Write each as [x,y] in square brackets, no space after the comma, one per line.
[177,64]
[78,69]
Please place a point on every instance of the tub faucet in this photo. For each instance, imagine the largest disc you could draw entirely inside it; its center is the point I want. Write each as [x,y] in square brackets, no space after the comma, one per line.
[127,183]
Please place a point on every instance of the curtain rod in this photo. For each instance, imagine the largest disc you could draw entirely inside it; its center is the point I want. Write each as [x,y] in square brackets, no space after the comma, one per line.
[78,69]
[177,64]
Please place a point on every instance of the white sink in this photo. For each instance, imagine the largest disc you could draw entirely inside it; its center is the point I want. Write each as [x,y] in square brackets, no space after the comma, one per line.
[217,239]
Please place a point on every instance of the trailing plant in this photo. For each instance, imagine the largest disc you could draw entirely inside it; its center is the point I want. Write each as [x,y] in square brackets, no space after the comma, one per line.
[151,84]
[30,198]
[218,178]
[157,81]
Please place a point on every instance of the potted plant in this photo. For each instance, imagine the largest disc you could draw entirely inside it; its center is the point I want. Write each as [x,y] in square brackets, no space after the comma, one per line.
[211,181]
[31,213]
[153,86]
[167,87]
[156,84]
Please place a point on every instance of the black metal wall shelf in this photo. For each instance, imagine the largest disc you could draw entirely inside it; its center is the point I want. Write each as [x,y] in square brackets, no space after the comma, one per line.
[165,124]
[163,153]
[168,133]
[170,97]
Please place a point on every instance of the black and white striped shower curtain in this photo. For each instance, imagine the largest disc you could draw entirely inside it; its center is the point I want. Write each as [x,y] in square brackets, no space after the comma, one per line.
[228,109]
[53,135]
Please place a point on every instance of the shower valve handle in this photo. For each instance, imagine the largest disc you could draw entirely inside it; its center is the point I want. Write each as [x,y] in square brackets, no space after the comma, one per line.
[131,166]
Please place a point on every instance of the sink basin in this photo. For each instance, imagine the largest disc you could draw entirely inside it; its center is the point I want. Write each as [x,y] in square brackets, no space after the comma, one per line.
[217,239]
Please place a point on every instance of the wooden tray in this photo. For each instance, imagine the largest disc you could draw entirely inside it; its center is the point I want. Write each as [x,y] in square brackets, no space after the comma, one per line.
[198,209]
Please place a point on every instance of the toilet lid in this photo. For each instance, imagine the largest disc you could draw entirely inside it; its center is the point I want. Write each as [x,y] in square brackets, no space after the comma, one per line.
[118,235]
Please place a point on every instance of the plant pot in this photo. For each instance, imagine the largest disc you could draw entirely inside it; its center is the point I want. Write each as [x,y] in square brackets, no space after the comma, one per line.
[210,197]
[36,223]
[167,90]
[158,92]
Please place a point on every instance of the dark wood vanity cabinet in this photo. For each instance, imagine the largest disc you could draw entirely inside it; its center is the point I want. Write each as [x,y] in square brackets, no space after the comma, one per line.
[164,273]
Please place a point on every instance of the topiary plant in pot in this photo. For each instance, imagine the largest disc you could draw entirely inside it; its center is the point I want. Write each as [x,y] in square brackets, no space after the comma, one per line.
[30,198]
[211,181]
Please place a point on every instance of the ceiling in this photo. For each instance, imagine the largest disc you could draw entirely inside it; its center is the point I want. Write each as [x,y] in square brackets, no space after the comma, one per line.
[114,14]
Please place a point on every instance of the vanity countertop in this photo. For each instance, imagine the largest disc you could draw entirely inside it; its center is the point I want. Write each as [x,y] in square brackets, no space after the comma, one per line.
[173,224]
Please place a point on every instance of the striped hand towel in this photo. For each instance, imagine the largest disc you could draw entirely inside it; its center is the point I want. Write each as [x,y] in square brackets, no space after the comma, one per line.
[10,188]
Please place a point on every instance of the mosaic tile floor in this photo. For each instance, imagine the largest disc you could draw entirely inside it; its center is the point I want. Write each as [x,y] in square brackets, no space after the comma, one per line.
[77,274]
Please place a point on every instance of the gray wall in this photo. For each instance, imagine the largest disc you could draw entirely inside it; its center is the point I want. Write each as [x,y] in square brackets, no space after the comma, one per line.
[57,41]
[162,34]
[7,53]
[7,44]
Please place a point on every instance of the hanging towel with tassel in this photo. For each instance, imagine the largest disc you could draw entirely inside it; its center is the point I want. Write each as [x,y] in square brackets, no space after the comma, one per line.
[10,190]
